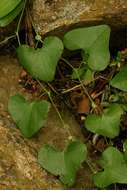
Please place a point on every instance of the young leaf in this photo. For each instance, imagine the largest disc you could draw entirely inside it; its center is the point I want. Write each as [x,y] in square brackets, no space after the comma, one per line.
[107,124]
[84,74]
[29,117]
[41,63]
[120,80]
[64,164]
[6,6]
[93,41]
[115,168]
[11,16]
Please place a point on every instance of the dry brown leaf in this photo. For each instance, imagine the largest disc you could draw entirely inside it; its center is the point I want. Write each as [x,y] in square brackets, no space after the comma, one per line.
[84,105]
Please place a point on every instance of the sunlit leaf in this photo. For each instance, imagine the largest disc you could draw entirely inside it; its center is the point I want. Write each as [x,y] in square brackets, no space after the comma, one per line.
[108,124]
[64,164]
[41,63]
[29,117]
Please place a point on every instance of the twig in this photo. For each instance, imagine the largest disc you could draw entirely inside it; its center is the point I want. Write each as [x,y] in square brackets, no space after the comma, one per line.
[7,38]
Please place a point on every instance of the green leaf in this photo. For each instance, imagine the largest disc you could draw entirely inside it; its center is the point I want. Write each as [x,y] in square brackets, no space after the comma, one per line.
[120,80]
[64,164]
[41,63]
[115,168]
[6,6]
[29,117]
[93,41]
[12,15]
[107,124]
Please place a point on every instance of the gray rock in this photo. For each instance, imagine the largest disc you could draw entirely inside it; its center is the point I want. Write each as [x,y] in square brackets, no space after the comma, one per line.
[58,16]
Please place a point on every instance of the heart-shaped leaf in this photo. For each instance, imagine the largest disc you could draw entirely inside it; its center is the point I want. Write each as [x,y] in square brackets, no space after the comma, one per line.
[12,15]
[120,80]
[6,6]
[41,63]
[107,124]
[29,117]
[115,168]
[63,164]
[93,41]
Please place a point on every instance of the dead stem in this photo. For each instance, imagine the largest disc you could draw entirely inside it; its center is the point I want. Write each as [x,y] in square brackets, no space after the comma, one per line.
[81,83]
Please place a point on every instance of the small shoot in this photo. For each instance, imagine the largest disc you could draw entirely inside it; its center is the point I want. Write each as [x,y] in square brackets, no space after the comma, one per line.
[29,117]
[115,168]
[108,124]
[93,42]
[41,63]
[64,164]
[85,74]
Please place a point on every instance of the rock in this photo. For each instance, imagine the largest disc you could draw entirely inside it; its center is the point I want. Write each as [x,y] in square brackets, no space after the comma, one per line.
[58,16]
[62,15]
[9,75]
[18,164]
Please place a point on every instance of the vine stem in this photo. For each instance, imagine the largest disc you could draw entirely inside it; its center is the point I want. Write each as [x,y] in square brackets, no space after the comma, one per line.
[19,22]
[82,85]
[57,111]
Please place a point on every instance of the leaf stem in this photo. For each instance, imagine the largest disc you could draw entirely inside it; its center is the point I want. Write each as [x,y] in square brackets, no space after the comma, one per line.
[19,22]
[48,93]
[57,111]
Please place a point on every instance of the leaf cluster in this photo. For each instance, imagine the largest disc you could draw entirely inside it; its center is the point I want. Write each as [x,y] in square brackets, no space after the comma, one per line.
[41,63]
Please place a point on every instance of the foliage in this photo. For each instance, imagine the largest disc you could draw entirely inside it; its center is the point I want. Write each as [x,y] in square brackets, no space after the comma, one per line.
[107,124]
[64,164]
[94,42]
[41,63]
[120,80]
[115,168]
[29,117]
[9,9]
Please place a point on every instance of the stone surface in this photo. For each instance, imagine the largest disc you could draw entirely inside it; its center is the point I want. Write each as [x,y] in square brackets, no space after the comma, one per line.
[61,15]
[18,164]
